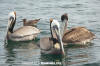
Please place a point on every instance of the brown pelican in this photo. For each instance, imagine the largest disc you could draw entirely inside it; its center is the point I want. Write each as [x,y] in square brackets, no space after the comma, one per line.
[77,35]
[53,44]
[24,33]
[30,22]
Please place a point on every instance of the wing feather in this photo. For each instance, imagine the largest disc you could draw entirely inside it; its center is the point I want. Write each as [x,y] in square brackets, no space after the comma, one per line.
[24,31]
[77,34]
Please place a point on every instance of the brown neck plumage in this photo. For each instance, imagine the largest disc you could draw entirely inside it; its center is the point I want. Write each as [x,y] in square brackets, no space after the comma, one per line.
[64,19]
[65,27]
[12,26]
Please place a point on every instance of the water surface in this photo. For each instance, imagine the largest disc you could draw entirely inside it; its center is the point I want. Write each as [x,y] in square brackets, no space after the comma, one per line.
[81,13]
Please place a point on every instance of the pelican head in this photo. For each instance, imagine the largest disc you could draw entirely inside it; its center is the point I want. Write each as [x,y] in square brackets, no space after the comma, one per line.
[24,20]
[55,27]
[11,21]
[64,17]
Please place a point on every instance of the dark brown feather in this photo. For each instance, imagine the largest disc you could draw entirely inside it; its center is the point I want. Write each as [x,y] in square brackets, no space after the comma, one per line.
[30,22]
[77,35]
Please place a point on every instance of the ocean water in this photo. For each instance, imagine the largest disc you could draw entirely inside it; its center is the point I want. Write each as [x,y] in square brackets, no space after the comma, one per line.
[81,13]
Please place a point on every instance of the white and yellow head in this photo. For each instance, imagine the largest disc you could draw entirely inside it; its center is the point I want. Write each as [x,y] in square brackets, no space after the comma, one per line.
[55,27]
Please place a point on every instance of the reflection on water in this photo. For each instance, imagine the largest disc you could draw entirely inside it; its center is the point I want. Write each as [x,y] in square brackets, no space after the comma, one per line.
[77,57]
[21,52]
[52,59]
[28,53]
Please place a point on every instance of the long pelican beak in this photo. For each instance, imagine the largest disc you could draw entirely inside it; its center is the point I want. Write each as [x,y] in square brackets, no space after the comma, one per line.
[56,28]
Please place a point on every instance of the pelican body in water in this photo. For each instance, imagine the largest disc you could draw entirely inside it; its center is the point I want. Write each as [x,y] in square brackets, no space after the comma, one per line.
[77,35]
[53,44]
[24,33]
[30,22]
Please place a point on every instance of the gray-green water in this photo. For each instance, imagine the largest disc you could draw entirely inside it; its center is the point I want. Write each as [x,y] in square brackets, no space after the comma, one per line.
[81,13]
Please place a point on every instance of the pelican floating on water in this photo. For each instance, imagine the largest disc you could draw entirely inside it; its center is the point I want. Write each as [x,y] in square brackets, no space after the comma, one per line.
[77,35]
[53,44]
[24,33]
[30,22]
